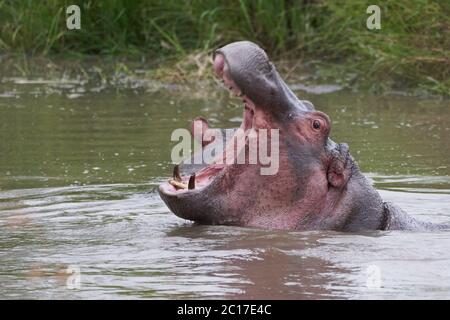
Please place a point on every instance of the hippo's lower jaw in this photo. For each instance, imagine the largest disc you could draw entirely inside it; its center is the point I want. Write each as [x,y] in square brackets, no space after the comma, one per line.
[318,185]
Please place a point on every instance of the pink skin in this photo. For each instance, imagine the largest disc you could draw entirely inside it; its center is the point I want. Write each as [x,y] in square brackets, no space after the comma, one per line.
[266,201]
[221,70]
[318,184]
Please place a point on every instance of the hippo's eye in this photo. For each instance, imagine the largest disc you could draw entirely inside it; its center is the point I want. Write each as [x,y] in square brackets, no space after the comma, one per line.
[316,124]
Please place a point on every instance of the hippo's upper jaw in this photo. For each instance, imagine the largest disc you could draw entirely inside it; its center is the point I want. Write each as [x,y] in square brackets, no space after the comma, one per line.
[317,186]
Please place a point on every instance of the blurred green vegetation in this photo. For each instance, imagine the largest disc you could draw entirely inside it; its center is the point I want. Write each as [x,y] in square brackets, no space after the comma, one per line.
[411,51]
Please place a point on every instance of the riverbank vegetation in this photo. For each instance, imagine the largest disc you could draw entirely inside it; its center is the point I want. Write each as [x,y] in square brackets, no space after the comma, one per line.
[328,39]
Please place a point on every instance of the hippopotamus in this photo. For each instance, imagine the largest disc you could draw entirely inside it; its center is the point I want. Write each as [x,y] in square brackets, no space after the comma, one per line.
[318,185]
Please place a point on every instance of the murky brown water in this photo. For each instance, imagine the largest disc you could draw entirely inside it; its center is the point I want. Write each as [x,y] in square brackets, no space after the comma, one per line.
[78,168]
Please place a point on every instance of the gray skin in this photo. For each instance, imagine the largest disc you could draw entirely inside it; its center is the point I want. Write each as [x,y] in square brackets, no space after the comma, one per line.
[318,185]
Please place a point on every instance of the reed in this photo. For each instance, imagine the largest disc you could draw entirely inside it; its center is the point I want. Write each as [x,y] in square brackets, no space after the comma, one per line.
[411,50]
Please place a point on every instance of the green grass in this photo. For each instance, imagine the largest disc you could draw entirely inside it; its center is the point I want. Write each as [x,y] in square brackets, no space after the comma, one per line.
[412,50]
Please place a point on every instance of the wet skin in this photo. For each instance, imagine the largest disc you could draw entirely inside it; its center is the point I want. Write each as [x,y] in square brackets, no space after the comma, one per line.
[318,184]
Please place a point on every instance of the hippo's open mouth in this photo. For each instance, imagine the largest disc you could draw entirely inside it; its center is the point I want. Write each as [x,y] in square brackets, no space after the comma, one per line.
[197,181]
[222,70]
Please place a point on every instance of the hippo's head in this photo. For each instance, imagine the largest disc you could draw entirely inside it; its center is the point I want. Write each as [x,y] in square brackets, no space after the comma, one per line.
[311,183]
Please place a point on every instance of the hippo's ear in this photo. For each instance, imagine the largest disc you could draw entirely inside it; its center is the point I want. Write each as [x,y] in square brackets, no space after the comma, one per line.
[339,168]
[199,126]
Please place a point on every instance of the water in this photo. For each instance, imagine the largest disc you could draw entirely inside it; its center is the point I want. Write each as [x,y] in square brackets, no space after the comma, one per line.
[78,171]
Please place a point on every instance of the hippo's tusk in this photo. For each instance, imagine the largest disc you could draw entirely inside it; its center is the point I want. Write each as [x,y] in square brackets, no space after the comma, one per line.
[191,184]
[176,173]
[177,184]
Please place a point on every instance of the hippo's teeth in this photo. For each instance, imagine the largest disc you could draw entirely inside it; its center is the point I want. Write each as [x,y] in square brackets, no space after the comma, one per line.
[177,184]
[176,173]
[191,184]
